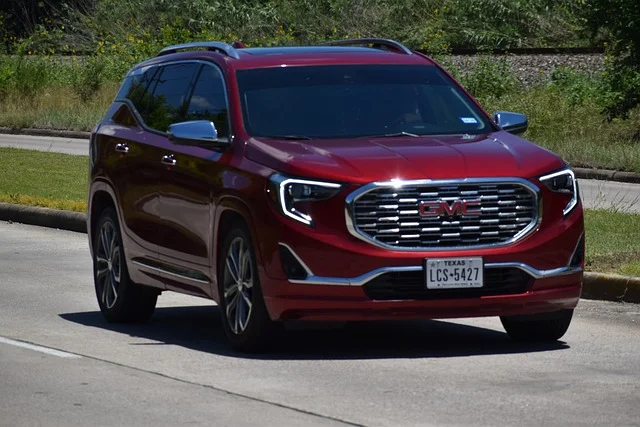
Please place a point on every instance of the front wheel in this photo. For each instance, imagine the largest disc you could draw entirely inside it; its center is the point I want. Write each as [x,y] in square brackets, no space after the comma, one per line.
[244,314]
[120,299]
[544,327]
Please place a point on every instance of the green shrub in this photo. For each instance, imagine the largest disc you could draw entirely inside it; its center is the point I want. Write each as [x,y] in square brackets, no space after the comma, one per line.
[618,23]
[30,76]
[577,87]
[89,78]
[490,78]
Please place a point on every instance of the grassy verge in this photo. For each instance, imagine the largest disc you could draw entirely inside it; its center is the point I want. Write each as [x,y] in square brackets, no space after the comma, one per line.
[613,242]
[51,180]
[60,181]
[55,108]
[577,132]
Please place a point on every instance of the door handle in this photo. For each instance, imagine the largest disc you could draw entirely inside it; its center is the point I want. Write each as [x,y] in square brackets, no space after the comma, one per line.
[169,160]
[122,148]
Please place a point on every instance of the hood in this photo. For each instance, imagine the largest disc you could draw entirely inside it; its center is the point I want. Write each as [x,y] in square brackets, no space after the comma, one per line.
[362,160]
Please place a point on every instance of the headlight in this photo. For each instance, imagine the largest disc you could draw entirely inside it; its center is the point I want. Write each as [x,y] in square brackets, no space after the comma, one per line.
[290,194]
[563,182]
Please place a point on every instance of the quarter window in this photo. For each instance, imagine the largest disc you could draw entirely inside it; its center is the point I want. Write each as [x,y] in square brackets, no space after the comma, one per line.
[134,87]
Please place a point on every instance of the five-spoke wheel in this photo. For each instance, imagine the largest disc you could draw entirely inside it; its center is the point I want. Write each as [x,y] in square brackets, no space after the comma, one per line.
[244,313]
[108,261]
[119,298]
[238,285]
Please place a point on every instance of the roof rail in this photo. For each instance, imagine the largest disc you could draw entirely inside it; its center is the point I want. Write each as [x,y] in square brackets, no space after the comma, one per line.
[371,41]
[221,47]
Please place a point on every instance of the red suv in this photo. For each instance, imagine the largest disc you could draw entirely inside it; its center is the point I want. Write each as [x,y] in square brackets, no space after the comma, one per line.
[353,180]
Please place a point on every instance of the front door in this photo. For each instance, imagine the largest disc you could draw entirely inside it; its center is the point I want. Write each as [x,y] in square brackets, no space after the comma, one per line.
[190,179]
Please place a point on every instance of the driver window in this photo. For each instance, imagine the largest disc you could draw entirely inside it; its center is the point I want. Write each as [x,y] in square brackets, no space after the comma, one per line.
[209,101]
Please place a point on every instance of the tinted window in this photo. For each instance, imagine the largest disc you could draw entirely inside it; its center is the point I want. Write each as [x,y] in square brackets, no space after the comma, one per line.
[355,100]
[166,105]
[208,101]
[135,85]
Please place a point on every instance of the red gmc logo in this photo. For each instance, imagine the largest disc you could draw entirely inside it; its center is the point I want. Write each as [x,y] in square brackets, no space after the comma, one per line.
[454,208]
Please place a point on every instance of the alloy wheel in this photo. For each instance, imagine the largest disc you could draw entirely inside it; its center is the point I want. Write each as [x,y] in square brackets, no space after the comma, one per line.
[108,265]
[238,285]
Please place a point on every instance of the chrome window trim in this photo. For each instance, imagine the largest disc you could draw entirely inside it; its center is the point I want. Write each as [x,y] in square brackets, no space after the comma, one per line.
[367,277]
[354,231]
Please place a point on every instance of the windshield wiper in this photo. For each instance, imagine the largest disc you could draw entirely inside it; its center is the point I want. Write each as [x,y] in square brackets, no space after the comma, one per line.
[289,137]
[394,135]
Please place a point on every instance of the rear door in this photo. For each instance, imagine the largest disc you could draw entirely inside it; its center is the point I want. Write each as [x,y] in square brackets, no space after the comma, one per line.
[127,159]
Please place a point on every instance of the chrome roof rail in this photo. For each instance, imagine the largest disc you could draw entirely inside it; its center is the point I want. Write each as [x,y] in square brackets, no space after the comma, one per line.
[221,47]
[370,41]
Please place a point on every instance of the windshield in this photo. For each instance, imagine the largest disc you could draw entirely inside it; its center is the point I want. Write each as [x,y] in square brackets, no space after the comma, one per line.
[344,101]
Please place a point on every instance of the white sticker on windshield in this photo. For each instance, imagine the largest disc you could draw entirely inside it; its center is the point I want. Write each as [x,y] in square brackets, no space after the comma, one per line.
[468,120]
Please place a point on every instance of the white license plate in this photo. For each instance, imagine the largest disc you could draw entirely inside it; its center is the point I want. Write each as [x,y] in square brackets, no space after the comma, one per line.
[454,273]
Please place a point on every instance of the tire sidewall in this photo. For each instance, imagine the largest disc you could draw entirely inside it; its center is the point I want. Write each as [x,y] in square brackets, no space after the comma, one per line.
[109,215]
[258,321]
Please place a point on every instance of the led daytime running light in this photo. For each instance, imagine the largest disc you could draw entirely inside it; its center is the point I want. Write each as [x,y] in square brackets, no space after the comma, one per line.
[574,188]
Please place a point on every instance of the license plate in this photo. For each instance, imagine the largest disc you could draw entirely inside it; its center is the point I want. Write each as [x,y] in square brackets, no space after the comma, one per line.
[454,273]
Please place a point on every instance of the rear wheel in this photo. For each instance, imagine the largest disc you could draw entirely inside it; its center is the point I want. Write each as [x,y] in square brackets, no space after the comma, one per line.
[120,299]
[544,327]
[244,314]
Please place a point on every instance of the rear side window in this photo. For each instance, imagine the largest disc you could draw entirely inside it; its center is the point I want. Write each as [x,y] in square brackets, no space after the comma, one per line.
[209,101]
[169,92]
[135,86]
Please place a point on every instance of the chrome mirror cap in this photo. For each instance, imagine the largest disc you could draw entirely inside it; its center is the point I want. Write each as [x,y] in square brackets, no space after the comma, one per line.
[514,123]
[196,130]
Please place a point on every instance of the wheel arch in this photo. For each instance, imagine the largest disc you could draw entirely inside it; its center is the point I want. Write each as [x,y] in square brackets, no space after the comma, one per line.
[229,210]
[102,196]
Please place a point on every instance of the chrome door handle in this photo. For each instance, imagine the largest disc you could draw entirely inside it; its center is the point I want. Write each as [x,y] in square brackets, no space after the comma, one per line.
[122,148]
[169,160]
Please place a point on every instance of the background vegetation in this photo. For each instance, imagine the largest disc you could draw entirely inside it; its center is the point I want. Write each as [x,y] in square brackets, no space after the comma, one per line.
[63,60]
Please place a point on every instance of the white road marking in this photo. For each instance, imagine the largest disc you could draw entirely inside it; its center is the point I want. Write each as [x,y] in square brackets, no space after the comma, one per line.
[40,349]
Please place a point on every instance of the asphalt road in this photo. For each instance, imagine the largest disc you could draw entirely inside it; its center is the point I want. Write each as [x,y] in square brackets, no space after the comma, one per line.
[47,143]
[624,197]
[178,369]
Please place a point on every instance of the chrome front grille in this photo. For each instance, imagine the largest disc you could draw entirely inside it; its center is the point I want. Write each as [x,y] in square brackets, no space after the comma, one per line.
[389,214]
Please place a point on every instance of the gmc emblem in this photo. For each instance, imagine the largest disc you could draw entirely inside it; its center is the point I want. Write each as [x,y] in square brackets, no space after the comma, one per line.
[454,208]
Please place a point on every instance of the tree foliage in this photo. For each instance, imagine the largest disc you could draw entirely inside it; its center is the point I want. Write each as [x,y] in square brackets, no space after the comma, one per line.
[618,22]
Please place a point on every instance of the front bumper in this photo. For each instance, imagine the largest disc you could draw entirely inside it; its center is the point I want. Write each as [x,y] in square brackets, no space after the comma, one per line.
[326,303]
[343,277]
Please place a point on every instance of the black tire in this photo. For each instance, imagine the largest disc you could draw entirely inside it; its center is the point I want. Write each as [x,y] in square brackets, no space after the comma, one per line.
[120,299]
[258,330]
[545,327]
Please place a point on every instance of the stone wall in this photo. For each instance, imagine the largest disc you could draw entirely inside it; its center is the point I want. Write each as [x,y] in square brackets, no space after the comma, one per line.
[534,69]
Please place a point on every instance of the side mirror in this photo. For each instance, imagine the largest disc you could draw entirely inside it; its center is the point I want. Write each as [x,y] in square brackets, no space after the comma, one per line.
[514,123]
[201,133]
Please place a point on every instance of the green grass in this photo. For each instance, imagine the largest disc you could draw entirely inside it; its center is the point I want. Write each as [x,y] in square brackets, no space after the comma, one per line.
[55,108]
[578,133]
[37,178]
[613,242]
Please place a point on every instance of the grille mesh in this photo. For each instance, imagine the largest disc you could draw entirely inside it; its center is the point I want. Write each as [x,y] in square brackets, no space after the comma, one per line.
[391,215]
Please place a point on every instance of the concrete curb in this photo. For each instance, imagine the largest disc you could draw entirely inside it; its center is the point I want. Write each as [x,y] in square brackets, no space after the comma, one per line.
[46,132]
[44,217]
[611,287]
[607,175]
[598,286]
